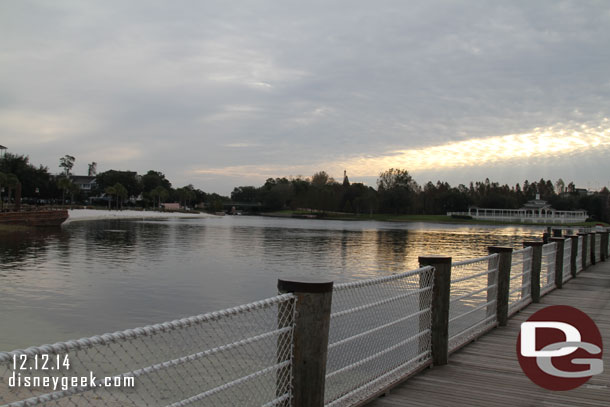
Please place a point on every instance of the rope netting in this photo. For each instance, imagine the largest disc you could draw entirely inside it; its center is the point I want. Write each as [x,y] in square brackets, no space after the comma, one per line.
[472,307]
[567,260]
[579,255]
[239,356]
[547,269]
[520,286]
[379,333]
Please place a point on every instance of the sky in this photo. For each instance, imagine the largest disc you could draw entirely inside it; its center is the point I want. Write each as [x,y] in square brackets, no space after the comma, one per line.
[221,94]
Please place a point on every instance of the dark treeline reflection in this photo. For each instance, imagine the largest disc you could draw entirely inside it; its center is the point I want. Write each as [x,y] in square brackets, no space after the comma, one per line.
[93,277]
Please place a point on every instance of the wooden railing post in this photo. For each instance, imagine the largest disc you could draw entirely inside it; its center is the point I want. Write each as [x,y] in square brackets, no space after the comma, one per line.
[441,293]
[536,266]
[584,248]
[593,257]
[573,255]
[604,245]
[310,340]
[559,241]
[504,264]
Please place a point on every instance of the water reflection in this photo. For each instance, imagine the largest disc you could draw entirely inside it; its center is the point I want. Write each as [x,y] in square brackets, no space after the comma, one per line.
[94,277]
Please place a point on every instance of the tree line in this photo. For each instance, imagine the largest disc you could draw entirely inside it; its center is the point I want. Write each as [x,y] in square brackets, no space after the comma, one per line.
[113,188]
[396,193]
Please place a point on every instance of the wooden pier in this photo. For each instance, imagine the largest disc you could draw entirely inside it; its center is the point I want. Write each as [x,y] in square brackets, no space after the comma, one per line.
[487,373]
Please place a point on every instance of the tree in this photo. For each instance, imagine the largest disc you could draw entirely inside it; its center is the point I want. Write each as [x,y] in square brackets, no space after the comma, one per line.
[92,171]
[395,178]
[319,179]
[2,184]
[67,162]
[129,179]
[159,193]
[110,191]
[65,185]
[244,194]
[396,189]
[73,189]
[121,194]
[153,179]
[30,177]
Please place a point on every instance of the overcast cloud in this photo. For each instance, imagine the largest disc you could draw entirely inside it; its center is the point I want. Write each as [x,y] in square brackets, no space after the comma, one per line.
[220,94]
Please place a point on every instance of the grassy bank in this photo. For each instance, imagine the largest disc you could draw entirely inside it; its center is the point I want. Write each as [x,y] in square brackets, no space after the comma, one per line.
[408,218]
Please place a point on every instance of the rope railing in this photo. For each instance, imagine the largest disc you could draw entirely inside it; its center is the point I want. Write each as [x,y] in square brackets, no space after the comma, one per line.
[520,287]
[566,273]
[547,269]
[237,356]
[379,332]
[472,306]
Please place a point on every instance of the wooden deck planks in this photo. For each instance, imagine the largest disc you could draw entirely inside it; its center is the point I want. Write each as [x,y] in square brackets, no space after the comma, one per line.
[487,373]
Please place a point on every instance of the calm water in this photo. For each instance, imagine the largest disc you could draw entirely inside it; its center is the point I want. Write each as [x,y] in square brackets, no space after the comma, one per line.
[101,276]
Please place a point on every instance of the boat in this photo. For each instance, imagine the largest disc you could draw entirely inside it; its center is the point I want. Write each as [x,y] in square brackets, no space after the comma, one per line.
[34,218]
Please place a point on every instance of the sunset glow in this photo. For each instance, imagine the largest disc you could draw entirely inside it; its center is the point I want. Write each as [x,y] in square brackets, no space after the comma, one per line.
[552,142]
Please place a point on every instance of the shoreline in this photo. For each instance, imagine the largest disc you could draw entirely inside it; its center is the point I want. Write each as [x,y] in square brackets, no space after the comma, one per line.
[78,215]
[442,219]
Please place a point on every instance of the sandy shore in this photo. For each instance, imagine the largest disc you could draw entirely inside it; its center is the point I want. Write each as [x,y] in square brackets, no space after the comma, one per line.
[94,214]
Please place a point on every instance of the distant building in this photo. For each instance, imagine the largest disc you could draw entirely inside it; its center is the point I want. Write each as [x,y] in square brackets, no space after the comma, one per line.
[534,211]
[171,206]
[2,151]
[85,182]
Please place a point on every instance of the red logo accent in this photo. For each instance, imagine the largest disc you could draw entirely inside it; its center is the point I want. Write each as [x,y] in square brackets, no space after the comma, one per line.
[581,352]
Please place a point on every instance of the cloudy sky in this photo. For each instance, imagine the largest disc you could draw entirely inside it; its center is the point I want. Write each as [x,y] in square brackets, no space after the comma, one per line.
[220,94]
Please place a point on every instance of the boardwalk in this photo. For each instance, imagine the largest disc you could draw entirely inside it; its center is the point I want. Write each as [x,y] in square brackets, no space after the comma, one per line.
[486,372]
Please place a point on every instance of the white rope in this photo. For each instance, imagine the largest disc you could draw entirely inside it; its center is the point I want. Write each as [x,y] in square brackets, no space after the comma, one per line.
[370,331]
[523,251]
[519,288]
[521,274]
[64,347]
[459,280]
[378,354]
[385,279]
[422,357]
[378,303]
[470,294]
[485,321]
[477,260]
[228,385]
[472,310]
[278,401]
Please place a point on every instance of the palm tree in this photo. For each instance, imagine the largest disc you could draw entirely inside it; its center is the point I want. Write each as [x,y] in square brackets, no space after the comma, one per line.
[64,184]
[121,193]
[73,189]
[160,193]
[110,191]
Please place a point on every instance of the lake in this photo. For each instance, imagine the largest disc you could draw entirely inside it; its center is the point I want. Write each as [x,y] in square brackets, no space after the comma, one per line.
[93,277]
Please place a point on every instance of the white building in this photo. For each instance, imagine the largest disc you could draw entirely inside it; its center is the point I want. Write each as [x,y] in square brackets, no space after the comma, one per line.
[534,211]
